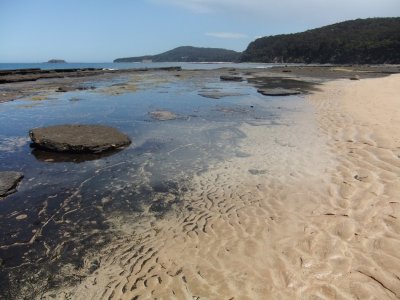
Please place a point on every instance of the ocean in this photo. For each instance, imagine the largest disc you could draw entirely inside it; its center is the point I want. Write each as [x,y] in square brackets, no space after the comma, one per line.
[184,65]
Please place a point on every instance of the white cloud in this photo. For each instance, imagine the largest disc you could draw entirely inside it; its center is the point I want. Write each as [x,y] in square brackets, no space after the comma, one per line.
[226,35]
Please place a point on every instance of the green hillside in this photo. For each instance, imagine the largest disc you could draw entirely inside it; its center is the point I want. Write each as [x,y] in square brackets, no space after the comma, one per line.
[188,54]
[361,41]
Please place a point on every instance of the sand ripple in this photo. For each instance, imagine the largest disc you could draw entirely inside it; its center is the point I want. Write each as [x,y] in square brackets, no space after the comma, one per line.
[319,221]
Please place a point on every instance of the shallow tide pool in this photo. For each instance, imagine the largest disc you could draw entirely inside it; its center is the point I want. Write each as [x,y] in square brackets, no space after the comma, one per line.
[69,205]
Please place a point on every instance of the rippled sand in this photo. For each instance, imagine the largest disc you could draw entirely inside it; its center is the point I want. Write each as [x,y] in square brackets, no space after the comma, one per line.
[309,211]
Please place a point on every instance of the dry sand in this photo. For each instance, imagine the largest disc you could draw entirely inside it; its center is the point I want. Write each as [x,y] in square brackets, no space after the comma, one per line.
[312,212]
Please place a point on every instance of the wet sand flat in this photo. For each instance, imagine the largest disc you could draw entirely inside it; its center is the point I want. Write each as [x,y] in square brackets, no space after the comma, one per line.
[302,204]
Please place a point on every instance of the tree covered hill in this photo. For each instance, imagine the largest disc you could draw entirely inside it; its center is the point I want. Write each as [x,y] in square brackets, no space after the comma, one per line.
[361,41]
[188,54]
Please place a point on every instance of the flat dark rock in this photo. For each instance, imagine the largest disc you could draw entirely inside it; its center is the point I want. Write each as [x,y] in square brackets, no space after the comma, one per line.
[9,181]
[78,138]
[278,92]
[230,78]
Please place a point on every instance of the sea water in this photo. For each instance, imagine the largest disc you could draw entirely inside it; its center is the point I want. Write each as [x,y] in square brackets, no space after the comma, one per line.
[116,66]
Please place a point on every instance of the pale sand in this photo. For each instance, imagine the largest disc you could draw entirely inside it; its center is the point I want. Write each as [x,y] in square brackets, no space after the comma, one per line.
[312,213]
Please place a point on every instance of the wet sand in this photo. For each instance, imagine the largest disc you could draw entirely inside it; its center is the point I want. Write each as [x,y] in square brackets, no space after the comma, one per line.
[307,209]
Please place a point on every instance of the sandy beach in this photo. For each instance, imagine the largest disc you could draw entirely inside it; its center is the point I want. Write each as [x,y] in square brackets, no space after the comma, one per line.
[313,214]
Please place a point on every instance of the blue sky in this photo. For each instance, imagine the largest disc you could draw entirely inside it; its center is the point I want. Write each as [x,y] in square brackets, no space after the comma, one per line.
[102,30]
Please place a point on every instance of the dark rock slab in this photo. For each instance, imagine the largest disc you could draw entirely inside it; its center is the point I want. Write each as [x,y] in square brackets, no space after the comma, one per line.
[278,92]
[9,181]
[230,78]
[78,138]
[266,83]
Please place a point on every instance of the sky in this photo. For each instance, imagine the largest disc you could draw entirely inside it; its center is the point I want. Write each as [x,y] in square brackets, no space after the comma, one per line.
[102,30]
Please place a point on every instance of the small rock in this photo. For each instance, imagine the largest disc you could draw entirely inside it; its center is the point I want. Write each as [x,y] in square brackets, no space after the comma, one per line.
[163,115]
[21,217]
[106,200]
[355,77]
[62,89]
[9,181]
[230,78]
[159,206]
[257,172]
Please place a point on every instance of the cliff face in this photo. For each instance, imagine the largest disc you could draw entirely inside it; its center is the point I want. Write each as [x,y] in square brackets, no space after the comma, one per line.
[188,54]
[360,41]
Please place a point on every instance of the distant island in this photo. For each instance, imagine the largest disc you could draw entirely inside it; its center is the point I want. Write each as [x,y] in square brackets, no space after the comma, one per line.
[361,41]
[56,61]
[187,54]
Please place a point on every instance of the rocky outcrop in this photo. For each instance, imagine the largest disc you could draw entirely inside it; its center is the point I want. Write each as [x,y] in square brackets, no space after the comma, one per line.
[9,181]
[78,138]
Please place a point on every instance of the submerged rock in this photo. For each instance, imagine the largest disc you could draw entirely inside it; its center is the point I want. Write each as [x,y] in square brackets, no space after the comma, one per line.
[9,181]
[278,92]
[230,78]
[78,138]
[163,115]
[257,172]
[217,94]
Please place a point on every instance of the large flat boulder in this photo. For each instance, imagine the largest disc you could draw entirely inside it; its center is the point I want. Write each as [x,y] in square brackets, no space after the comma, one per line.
[9,181]
[78,138]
